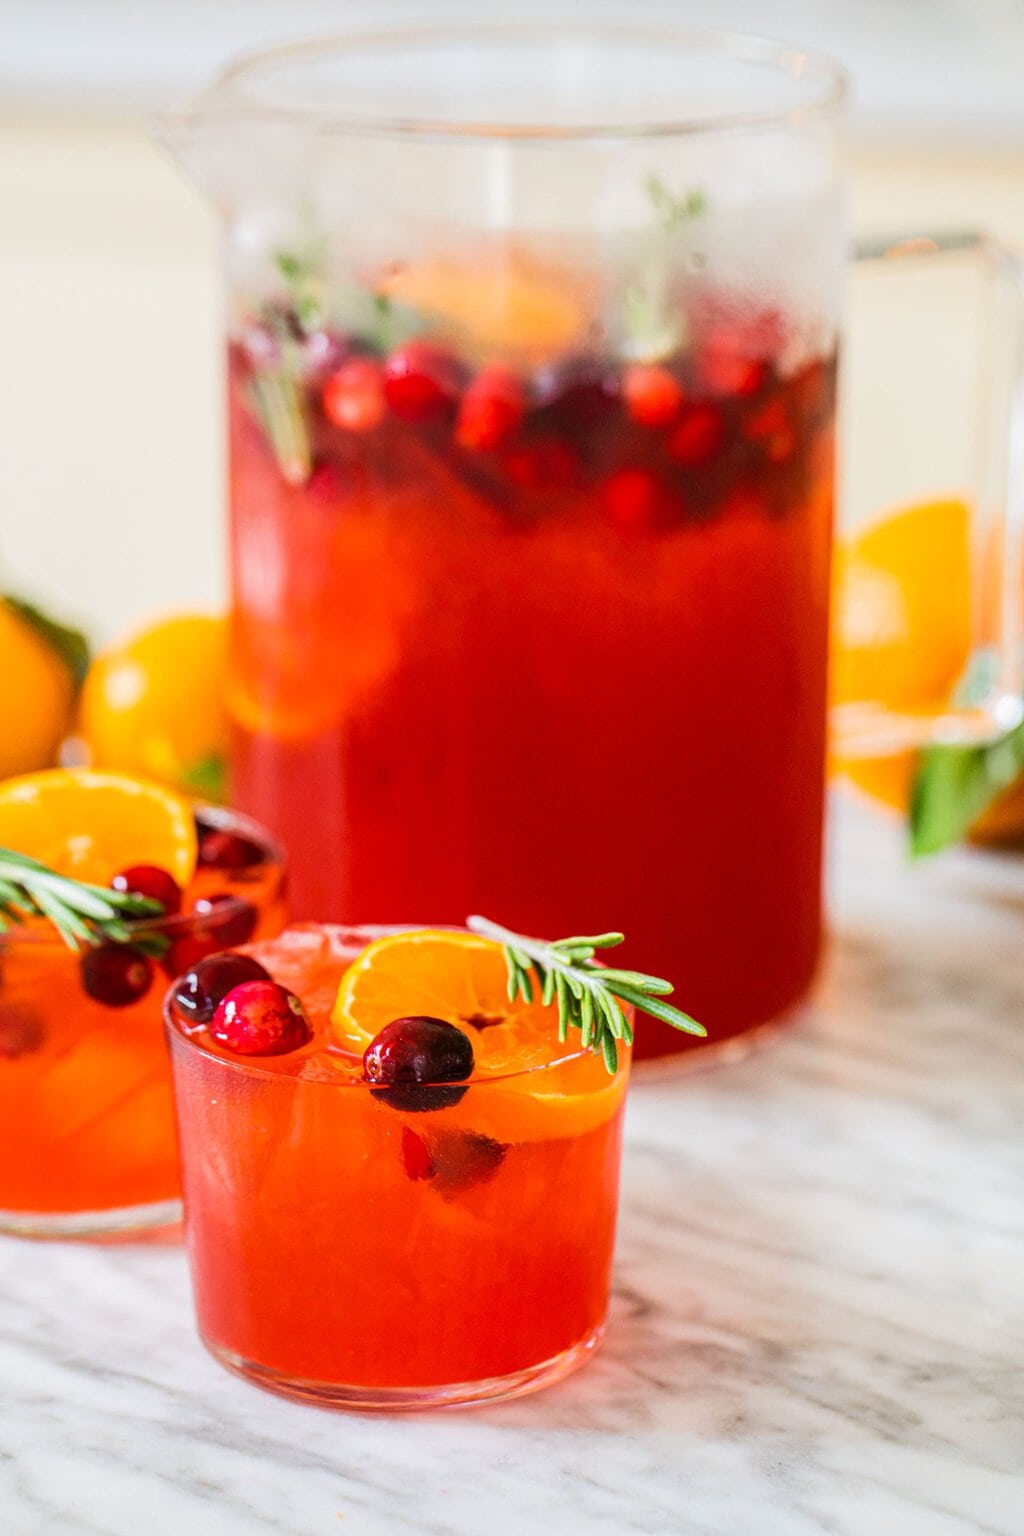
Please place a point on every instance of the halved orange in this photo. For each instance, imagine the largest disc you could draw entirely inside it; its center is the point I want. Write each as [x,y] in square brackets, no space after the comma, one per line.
[901,627]
[903,608]
[89,825]
[462,978]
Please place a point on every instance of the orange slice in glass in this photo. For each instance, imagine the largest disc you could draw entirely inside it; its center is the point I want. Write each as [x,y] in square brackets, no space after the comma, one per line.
[88,825]
[529,1087]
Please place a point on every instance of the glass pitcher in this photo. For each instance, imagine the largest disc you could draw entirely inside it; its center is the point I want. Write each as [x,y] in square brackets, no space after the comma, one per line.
[532,340]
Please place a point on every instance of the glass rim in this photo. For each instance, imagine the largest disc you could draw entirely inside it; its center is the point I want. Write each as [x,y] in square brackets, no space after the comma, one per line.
[175,924]
[249,1066]
[744,47]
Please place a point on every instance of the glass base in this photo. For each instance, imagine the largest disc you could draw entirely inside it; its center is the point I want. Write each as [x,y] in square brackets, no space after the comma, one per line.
[367,1399]
[130,1221]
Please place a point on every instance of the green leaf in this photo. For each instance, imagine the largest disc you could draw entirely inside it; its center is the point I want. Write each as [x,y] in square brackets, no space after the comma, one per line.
[674,211]
[70,644]
[81,913]
[207,779]
[954,785]
[277,404]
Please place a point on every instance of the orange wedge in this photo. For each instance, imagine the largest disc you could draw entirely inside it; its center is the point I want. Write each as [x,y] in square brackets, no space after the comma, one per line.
[89,825]
[498,301]
[462,978]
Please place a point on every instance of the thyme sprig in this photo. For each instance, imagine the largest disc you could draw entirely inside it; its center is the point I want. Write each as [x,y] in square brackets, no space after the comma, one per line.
[82,914]
[590,996]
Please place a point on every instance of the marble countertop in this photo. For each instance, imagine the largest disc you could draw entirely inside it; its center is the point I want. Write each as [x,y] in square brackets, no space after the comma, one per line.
[817,1323]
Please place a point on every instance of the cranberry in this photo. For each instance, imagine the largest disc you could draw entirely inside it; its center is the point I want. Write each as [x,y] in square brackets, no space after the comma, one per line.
[227,850]
[726,371]
[116,975]
[546,465]
[353,398]
[813,391]
[652,394]
[421,381]
[259,1018]
[581,395]
[21,1030]
[699,435]
[322,353]
[452,1160]
[771,428]
[635,500]
[149,880]
[201,990]
[188,949]
[416,1051]
[491,409]
[231,919]
[416,1158]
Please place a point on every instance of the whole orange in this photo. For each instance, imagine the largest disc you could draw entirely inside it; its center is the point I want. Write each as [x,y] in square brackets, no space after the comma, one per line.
[37,689]
[154,703]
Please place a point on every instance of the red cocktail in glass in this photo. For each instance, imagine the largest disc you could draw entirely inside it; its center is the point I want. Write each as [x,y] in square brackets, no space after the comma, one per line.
[366,1251]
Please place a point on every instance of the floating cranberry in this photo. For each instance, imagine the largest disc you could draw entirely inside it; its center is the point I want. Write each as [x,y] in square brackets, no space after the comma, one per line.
[151,881]
[813,391]
[421,381]
[259,1018]
[726,372]
[230,919]
[227,850]
[546,465]
[412,1052]
[636,501]
[580,395]
[188,949]
[453,1160]
[491,409]
[771,428]
[353,398]
[116,975]
[652,394]
[416,1158]
[201,989]
[698,436]
[22,1030]
[323,353]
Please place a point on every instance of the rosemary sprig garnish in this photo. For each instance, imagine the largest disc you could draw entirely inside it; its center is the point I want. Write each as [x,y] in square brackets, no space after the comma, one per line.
[589,995]
[81,913]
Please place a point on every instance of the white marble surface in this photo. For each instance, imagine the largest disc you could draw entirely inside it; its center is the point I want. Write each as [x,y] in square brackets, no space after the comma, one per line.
[817,1323]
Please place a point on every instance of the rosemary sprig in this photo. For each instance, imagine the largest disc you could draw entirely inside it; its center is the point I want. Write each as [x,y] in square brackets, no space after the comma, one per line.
[589,995]
[672,211]
[81,913]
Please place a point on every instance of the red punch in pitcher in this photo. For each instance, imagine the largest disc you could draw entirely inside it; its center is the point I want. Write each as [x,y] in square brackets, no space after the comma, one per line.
[531,368]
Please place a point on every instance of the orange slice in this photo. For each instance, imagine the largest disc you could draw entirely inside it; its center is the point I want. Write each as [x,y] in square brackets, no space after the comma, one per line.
[89,825]
[525,1093]
[498,301]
